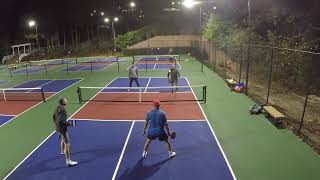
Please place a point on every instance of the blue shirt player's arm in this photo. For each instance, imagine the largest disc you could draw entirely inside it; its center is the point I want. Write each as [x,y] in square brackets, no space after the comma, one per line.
[146,124]
[166,126]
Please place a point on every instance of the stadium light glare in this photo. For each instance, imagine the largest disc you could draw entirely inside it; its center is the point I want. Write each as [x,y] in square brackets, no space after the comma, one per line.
[116,19]
[132,4]
[172,3]
[189,3]
[102,13]
[32,23]
[106,20]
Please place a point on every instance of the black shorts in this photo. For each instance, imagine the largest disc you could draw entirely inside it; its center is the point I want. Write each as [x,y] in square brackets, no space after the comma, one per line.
[161,137]
[64,137]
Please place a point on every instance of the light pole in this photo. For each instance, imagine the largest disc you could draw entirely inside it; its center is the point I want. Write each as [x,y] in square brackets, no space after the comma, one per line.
[32,24]
[115,19]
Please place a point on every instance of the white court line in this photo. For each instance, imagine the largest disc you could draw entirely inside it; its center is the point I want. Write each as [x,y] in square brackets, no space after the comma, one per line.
[139,120]
[122,153]
[215,137]
[7,115]
[147,85]
[41,101]
[48,137]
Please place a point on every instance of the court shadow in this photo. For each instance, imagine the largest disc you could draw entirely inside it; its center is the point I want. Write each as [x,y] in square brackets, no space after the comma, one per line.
[57,163]
[139,171]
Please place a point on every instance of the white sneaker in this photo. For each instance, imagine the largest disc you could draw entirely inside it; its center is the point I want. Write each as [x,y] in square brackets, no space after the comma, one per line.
[62,153]
[172,154]
[71,163]
[144,154]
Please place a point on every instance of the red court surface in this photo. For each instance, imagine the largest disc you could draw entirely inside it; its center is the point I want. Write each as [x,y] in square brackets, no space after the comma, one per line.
[17,107]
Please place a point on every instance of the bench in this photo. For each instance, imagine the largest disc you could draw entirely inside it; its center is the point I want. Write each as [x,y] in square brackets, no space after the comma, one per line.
[231,82]
[13,67]
[273,113]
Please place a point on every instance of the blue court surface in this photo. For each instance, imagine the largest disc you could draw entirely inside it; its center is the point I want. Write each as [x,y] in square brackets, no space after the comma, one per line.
[147,84]
[113,149]
[49,86]
[5,118]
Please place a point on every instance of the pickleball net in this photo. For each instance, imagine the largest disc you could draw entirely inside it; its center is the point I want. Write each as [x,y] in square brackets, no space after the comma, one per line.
[143,94]
[22,94]
[53,62]
[167,59]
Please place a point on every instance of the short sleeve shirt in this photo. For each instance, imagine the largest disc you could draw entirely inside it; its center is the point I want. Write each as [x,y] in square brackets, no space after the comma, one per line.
[157,120]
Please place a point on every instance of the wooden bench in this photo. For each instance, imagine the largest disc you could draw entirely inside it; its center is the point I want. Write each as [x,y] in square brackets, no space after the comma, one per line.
[273,113]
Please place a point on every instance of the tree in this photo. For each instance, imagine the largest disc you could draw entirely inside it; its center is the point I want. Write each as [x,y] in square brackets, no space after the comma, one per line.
[210,31]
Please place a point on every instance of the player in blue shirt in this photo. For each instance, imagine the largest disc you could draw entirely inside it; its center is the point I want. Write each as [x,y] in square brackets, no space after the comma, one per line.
[158,128]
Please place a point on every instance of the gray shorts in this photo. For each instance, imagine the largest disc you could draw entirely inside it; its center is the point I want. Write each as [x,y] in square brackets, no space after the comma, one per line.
[64,137]
[173,82]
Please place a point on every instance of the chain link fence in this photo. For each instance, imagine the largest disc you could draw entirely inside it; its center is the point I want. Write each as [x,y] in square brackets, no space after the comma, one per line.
[287,79]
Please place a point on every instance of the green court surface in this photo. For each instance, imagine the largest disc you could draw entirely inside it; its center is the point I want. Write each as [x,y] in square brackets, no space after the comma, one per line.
[255,148]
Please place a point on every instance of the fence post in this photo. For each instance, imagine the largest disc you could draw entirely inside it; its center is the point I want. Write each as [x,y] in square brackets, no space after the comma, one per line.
[270,75]
[118,64]
[67,68]
[27,70]
[241,61]
[202,61]
[304,108]
[215,58]
[45,66]
[309,80]
[248,66]
[225,63]
[209,53]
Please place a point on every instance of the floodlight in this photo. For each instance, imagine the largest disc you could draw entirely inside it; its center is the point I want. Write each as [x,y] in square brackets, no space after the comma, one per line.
[132,4]
[106,20]
[189,3]
[31,23]
[116,19]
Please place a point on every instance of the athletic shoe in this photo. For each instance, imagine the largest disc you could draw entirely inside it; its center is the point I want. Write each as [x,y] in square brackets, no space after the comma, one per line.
[71,163]
[144,154]
[62,153]
[172,154]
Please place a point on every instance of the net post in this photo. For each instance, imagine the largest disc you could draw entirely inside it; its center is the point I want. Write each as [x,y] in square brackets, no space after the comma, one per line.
[76,60]
[4,94]
[91,66]
[62,61]
[133,59]
[205,94]
[43,96]
[139,95]
[79,95]
[118,64]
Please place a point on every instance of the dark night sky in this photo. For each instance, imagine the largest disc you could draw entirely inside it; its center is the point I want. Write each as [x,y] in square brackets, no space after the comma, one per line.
[15,13]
